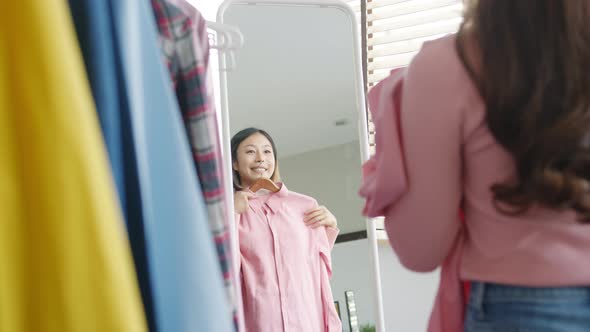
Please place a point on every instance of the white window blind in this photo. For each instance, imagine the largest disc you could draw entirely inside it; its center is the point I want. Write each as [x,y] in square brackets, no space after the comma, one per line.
[396,30]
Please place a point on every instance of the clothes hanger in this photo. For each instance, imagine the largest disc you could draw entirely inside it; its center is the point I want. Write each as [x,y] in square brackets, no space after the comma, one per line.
[264,183]
[228,40]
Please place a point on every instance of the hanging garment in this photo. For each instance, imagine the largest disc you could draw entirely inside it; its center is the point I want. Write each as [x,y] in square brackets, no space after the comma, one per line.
[94,25]
[94,29]
[66,264]
[380,190]
[285,266]
[185,48]
[186,279]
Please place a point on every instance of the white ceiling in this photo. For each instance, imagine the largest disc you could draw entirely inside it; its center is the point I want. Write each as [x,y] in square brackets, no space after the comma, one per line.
[295,76]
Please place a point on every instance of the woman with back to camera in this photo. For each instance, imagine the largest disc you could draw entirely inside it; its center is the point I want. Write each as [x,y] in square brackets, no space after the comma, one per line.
[285,240]
[494,120]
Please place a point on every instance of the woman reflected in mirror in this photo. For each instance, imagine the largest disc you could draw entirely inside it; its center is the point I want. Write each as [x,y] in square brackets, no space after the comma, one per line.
[284,240]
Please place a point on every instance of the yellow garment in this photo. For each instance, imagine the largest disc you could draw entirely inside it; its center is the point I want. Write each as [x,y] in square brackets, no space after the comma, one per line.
[65,262]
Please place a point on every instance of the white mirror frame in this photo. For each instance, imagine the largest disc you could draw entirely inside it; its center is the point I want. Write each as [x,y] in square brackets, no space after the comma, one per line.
[363,139]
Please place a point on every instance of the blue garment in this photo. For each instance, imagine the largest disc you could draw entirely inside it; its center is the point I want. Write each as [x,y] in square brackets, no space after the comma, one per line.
[186,278]
[94,26]
[503,308]
[186,281]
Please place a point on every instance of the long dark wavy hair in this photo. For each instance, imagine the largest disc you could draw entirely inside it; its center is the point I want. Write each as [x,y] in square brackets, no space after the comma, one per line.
[530,60]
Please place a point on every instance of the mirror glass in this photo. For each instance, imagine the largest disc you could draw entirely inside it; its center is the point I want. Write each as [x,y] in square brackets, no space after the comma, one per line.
[298,78]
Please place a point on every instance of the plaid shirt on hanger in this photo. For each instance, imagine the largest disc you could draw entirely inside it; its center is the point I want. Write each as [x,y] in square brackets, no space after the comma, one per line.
[185,46]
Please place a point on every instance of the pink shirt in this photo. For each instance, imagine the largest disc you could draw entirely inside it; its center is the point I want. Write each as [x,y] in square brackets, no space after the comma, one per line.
[434,150]
[285,266]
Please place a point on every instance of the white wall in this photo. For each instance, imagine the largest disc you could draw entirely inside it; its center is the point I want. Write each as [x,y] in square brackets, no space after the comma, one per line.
[207,8]
[331,176]
[352,271]
[407,296]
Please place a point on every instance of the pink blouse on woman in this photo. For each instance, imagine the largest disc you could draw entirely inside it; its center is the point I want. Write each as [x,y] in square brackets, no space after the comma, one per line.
[435,154]
[285,266]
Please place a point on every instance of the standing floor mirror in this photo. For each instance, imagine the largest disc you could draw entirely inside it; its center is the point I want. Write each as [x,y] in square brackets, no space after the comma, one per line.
[298,76]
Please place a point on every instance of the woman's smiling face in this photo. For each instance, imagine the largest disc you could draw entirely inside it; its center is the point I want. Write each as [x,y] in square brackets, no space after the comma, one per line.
[255,159]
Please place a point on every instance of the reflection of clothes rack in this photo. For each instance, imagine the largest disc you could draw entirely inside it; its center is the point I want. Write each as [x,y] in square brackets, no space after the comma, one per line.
[226,39]
[229,39]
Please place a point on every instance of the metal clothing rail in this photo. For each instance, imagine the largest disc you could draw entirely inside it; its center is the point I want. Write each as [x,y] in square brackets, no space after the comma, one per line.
[226,40]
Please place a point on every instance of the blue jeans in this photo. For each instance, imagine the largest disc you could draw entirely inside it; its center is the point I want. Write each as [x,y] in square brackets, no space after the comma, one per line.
[503,308]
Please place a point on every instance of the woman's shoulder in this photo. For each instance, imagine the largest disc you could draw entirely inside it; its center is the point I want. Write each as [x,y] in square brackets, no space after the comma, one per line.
[437,53]
[438,62]
[437,72]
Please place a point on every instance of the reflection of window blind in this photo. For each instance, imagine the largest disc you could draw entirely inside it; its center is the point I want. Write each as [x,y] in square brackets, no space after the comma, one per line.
[396,30]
